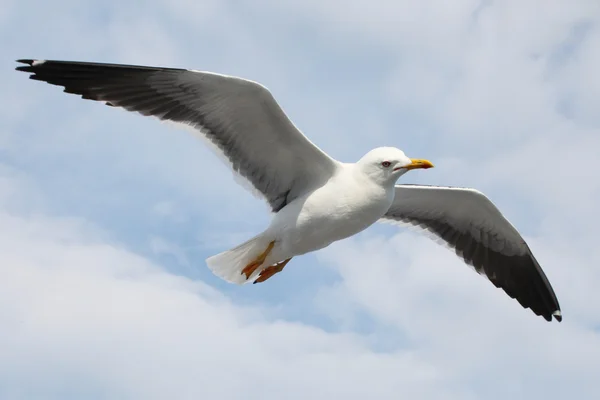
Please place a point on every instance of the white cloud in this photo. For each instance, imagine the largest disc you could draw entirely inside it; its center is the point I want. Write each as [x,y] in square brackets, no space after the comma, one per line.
[455,319]
[87,316]
[79,310]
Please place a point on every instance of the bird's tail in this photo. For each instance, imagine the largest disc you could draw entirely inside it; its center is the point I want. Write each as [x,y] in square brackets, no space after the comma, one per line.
[229,264]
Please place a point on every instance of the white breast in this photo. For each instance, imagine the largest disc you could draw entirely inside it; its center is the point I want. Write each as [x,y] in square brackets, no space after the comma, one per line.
[343,207]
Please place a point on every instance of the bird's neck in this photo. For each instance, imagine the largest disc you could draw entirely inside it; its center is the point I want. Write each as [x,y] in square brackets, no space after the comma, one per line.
[374,179]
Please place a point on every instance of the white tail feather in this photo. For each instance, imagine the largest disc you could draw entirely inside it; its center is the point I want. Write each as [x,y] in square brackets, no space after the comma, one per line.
[229,264]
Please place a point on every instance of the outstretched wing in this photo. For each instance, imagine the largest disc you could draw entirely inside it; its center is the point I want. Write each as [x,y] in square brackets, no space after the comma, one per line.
[239,116]
[472,225]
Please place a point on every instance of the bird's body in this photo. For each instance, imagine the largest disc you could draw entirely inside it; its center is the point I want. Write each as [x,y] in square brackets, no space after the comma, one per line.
[316,200]
[347,205]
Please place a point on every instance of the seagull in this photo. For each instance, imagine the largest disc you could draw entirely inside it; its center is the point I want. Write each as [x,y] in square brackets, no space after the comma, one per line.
[315,199]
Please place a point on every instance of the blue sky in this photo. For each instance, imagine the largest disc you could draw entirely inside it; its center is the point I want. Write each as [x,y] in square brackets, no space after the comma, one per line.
[107,216]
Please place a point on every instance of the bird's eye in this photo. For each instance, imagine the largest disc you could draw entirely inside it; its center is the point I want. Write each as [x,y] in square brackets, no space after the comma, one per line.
[386,164]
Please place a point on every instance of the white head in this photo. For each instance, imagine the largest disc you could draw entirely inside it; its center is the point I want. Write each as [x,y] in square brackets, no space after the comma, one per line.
[386,164]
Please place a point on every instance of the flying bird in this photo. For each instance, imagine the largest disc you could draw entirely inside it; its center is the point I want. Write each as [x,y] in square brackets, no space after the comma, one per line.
[315,199]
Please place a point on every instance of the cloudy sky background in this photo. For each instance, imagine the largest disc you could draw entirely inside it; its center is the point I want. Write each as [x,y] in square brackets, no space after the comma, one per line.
[106,217]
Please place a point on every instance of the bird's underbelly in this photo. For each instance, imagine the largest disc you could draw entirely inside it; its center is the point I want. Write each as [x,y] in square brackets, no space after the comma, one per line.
[316,222]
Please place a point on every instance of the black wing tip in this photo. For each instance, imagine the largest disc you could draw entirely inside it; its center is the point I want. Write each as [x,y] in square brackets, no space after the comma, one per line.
[548,316]
[557,315]
[29,64]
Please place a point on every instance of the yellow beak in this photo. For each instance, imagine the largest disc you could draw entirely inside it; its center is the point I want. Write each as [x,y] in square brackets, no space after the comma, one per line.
[417,163]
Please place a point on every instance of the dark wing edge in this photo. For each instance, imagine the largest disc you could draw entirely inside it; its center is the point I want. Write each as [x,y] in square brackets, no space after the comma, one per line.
[161,92]
[520,276]
[72,75]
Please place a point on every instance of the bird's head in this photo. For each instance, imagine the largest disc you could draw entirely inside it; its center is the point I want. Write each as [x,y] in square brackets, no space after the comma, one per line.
[386,164]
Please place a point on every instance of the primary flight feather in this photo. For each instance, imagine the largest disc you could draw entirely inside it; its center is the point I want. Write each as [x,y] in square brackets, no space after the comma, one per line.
[316,200]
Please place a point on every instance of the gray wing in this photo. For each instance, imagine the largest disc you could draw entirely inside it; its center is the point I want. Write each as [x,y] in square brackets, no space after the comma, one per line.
[472,225]
[239,116]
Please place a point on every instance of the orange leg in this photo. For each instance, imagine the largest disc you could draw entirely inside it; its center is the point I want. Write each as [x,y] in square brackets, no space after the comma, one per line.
[250,268]
[271,270]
